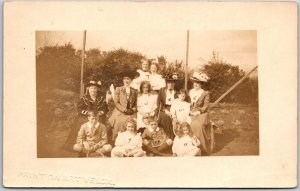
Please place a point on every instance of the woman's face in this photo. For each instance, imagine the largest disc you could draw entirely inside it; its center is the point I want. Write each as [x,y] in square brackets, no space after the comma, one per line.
[196,85]
[130,127]
[127,81]
[153,68]
[145,88]
[93,90]
[170,85]
[145,66]
[185,131]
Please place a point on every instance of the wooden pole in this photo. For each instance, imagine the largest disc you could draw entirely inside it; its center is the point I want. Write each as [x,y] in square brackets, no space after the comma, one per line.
[232,87]
[186,60]
[82,63]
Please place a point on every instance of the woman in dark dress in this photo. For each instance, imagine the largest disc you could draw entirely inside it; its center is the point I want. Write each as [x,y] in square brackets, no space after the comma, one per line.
[165,98]
[200,123]
[92,100]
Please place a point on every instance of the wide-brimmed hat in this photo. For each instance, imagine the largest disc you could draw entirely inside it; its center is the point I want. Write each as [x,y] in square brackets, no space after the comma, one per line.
[171,77]
[199,77]
[129,73]
[94,83]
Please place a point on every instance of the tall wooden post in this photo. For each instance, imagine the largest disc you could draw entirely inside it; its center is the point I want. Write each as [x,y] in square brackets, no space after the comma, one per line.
[186,60]
[82,62]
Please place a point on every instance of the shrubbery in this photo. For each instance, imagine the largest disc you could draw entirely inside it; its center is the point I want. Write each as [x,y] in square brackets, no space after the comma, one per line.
[59,67]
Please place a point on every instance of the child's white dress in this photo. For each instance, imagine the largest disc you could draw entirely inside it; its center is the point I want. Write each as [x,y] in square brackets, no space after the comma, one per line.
[181,110]
[146,103]
[127,143]
[185,146]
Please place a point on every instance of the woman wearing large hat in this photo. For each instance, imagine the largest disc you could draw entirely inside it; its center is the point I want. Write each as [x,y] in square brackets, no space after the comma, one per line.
[165,98]
[200,124]
[92,100]
[125,100]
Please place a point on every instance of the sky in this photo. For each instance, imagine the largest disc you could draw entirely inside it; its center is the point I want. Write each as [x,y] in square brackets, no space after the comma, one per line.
[237,47]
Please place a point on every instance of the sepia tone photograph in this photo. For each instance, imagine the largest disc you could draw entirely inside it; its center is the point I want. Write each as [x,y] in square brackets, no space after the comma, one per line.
[185,93]
[172,94]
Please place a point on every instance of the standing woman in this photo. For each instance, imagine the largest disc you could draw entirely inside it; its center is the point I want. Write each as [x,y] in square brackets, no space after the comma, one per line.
[156,80]
[92,100]
[200,124]
[144,75]
[146,105]
[166,96]
[125,100]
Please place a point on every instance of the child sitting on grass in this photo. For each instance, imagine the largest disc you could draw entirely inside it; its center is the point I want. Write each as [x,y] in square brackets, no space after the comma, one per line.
[128,143]
[92,137]
[155,139]
[185,144]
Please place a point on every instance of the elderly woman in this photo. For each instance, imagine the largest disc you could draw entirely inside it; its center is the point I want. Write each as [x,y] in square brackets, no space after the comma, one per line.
[125,100]
[166,96]
[200,123]
[92,100]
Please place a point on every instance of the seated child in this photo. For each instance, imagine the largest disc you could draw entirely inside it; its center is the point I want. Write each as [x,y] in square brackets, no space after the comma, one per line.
[180,110]
[185,144]
[92,137]
[128,143]
[155,139]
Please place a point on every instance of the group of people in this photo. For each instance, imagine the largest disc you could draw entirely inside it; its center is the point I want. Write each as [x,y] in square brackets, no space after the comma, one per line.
[150,117]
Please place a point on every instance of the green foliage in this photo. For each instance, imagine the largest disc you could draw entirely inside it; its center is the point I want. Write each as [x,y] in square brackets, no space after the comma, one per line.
[224,75]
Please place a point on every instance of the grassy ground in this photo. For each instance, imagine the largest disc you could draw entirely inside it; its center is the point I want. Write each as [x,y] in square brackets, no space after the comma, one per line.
[238,133]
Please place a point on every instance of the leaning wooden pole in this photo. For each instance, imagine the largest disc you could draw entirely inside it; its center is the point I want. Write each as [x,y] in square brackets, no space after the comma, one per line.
[82,63]
[232,88]
[186,60]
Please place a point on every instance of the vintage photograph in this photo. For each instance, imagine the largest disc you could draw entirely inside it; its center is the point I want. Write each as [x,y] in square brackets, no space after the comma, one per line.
[187,93]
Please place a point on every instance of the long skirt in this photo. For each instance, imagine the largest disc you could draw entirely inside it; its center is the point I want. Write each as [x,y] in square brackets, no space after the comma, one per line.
[165,122]
[117,122]
[202,129]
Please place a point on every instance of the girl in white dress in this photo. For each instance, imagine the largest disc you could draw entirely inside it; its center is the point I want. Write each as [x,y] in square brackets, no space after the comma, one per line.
[185,144]
[180,110]
[128,143]
[146,106]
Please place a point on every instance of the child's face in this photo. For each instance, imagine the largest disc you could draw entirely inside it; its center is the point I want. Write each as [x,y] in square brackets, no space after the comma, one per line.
[93,90]
[145,88]
[153,124]
[92,119]
[145,120]
[130,127]
[181,97]
[185,131]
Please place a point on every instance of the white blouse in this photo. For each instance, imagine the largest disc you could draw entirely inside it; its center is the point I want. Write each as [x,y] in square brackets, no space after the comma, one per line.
[157,81]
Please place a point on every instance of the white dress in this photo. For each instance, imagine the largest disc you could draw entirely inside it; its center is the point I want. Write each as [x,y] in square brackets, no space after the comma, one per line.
[180,110]
[157,81]
[144,76]
[146,103]
[185,146]
[127,142]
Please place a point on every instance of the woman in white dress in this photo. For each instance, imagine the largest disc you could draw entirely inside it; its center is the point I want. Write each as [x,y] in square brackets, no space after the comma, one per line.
[156,79]
[146,105]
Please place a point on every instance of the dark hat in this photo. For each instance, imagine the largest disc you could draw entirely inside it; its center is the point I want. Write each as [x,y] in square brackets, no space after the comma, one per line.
[199,77]
[129,73]
[94,83]
[171,77]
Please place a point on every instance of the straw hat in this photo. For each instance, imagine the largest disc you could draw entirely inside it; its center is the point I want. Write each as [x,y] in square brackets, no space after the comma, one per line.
[199,77]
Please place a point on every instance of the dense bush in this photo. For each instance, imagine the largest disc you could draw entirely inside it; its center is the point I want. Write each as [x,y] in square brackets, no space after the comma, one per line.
[224,75]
